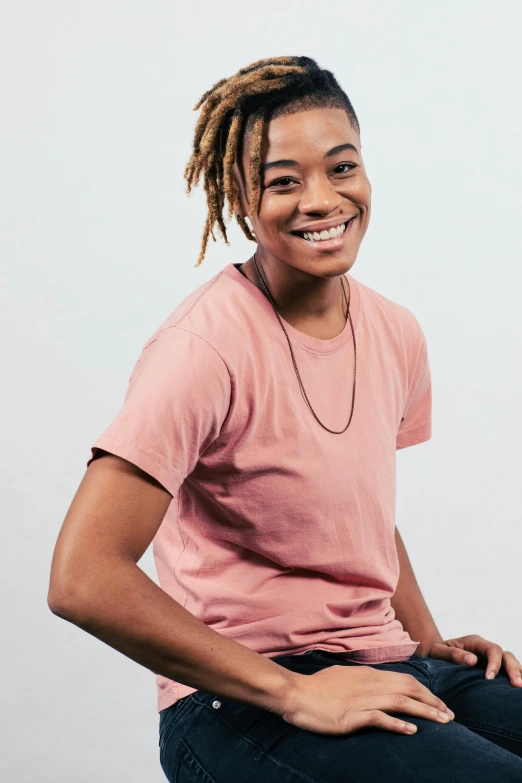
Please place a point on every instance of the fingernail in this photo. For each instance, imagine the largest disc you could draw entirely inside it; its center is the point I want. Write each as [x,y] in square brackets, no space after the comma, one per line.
[450,712]
[469,659]
[490,675]
[518,679]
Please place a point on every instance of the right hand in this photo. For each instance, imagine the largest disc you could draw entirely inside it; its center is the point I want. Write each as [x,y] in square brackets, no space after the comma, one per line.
[342,699]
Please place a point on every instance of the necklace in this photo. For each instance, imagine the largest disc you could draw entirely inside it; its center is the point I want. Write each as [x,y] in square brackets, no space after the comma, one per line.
[269,295]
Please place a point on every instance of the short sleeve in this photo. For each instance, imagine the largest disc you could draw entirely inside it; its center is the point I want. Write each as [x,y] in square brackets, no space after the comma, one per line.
[415,426]
[176,403]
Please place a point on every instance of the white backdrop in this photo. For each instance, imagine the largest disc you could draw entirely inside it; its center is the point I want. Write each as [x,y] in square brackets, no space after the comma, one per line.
[99,243]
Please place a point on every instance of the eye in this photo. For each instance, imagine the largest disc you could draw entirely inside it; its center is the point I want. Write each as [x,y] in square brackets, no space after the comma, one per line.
[351,166]
[282,181]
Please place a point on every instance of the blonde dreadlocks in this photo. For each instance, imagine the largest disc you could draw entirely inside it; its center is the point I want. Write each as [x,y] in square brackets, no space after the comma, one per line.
[248,101]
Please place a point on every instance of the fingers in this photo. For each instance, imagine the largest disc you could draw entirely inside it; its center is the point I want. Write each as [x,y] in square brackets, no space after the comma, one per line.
[513,668]
[379,719]
[421,704]
[398,702]
[409,685]
[455,655]
[494,656]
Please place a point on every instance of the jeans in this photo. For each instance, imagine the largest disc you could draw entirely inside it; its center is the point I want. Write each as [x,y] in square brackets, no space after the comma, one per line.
[208,738]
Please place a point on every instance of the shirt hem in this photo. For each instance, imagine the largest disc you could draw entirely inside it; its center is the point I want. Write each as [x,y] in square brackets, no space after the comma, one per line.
[388,653]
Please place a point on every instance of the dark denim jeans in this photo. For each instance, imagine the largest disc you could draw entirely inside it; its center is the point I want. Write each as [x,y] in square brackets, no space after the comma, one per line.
[212,739]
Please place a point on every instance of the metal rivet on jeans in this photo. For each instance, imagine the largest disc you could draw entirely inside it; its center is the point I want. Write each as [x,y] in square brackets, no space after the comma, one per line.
[216,704]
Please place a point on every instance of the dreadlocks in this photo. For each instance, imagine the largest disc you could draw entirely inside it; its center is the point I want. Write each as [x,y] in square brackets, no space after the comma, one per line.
[244,104]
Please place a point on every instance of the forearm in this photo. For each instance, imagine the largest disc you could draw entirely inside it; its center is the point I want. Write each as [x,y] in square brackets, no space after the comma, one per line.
[128,611]
[409,605]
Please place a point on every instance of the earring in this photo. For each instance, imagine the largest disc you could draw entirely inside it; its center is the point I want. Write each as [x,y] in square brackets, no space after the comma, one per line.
[247,221]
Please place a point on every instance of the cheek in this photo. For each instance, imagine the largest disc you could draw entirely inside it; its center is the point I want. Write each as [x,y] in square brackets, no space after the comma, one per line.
[274,216]
[367,189]
[360,191]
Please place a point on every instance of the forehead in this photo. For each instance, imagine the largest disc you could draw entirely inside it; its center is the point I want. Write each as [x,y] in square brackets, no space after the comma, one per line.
[307,133]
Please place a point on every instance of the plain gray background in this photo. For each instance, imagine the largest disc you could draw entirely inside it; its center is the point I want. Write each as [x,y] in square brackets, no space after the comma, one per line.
[99,243]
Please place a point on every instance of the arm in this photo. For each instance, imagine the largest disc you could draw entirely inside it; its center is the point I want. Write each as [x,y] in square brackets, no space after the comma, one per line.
[97,585]
[409,605]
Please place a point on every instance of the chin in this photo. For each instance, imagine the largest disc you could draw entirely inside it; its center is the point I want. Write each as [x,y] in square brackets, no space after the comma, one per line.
[331,265]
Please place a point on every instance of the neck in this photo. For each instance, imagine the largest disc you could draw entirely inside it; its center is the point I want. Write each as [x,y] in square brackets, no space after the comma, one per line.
[311,304]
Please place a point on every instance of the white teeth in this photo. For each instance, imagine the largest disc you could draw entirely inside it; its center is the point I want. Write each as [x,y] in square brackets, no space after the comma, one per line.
[316,236]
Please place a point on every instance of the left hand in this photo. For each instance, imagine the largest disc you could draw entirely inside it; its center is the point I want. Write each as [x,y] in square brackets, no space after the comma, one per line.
[469,649]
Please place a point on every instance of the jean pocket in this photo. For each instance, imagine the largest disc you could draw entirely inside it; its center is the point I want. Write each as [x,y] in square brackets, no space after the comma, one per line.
[185,767]
[243,718]
[169,715]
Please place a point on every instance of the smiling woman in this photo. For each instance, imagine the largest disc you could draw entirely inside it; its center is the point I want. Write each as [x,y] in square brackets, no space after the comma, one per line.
[285,630]
[237,135]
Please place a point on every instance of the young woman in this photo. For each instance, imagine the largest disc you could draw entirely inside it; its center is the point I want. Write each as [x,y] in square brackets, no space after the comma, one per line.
[256,449]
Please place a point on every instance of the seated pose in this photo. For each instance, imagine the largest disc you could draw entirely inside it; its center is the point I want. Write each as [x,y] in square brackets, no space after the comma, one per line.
[256,450]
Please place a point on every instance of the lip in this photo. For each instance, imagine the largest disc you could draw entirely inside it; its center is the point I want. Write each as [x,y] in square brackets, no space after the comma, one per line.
[328,244]
[322,226]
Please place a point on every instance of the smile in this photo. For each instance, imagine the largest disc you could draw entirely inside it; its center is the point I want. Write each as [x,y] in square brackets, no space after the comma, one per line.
[324,236]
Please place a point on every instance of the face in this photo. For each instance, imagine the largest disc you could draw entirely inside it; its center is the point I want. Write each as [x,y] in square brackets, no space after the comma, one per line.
[312,169]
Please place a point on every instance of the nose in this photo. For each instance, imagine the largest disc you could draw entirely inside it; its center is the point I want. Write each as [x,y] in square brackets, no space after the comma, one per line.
[319,197]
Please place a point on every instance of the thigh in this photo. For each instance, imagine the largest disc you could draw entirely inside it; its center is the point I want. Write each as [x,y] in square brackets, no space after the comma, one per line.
[491,708]
[220,740]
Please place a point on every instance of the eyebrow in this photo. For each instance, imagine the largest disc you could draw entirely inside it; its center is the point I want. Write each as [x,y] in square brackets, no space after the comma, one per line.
[329,154]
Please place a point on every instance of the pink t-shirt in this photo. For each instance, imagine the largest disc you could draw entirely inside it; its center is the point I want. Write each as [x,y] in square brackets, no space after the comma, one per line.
[280,534]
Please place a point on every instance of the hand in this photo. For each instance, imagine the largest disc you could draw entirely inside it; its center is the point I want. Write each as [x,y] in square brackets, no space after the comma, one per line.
[342,699]
[469,649]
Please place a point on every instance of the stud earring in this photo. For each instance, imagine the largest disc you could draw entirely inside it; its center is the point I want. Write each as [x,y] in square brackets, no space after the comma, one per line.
[247,221]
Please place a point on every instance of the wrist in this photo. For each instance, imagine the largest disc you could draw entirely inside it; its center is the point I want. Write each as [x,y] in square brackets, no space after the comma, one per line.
[282,691]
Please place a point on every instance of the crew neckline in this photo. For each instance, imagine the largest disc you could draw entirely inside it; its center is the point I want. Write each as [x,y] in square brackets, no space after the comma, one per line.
[308,342]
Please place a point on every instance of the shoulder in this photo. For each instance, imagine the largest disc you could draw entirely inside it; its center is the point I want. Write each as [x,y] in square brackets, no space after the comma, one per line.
[189,314]
[220,316]
[199,319]
[390,315]
[203,329]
